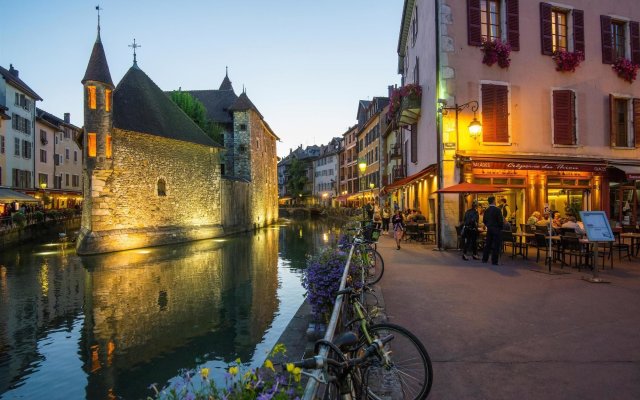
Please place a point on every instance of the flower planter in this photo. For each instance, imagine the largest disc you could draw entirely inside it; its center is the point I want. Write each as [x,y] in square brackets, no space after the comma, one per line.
[410,109]
[567,61]
[626,69]
[496,51]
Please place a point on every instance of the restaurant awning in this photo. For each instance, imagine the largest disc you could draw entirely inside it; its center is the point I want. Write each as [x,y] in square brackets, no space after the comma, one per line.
[431,169]
[467,187]
[632,171]
[9,196]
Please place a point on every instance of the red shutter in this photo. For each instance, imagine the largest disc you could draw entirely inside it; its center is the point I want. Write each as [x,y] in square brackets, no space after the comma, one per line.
[636,121]
[564,117]
[474,27]
[635,42]
[545,29]
[607,45]
[612,125]
[513,24]
[578,30]
[495,113]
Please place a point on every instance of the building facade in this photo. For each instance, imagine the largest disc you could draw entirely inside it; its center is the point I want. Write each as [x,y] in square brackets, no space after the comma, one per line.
[348,165]
[325,172]
[566,140]
[370,145]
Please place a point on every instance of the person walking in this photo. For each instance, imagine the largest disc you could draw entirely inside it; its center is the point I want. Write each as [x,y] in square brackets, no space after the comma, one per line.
[386,216]
[494,222]
[397,221]
[470,232]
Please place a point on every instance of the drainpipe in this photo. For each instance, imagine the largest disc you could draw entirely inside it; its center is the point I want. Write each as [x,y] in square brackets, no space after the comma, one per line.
[440,177]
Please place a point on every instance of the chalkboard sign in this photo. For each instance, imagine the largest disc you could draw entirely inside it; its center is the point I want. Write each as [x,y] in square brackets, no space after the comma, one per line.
[597,226]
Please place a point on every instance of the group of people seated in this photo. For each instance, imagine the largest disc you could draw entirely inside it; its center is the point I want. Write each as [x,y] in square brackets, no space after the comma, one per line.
[557,222]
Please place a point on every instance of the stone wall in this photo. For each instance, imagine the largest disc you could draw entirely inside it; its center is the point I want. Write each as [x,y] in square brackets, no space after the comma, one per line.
[235,205]
[264,173]
[241,144]
[123,209]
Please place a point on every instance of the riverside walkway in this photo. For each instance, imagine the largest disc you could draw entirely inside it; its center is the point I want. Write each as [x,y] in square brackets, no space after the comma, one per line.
[506,332]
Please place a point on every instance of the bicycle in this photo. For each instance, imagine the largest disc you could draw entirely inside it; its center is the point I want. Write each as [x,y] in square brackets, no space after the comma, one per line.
[405,361]
[369,257]
[341,374]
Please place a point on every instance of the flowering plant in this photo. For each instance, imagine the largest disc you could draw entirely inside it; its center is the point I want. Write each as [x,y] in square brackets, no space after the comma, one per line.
[408,90]
[262,383]
[322,279]
[496,51]
[567,60]
[626,69]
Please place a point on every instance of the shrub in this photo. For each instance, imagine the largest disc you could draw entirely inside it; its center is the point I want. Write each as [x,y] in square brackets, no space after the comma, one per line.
[38,216]
[19,219]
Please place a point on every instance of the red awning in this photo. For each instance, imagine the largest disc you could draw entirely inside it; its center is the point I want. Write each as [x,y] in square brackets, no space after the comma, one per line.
[467,187]
[431,169]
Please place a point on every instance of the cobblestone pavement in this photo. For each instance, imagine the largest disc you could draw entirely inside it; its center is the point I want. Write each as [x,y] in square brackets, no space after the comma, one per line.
[507,332]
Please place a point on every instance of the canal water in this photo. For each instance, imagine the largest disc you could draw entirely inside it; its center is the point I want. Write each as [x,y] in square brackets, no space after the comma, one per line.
[108,326]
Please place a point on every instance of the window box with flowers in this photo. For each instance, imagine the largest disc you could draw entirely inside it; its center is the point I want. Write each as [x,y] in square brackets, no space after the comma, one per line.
[625,69]
[567,61]
[496,51]
[405,104]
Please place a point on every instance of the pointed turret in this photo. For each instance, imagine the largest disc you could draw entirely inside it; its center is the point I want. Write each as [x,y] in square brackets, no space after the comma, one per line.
[226,82]
[98,69]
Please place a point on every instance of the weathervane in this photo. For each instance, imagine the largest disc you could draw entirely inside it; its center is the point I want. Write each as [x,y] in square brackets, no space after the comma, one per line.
[134,46]
[98,9]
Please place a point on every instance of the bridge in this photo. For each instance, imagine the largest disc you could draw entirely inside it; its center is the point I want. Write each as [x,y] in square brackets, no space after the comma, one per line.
[300,211]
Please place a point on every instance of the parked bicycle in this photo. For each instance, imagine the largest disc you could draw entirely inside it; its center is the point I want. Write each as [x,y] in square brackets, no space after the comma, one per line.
[368,257]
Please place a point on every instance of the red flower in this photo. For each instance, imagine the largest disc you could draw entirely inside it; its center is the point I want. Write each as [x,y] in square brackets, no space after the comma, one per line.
[496,51]
[567,60]
[411,89]
[626,69]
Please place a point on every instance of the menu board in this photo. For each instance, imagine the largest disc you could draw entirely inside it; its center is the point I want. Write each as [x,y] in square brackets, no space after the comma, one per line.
[597,226]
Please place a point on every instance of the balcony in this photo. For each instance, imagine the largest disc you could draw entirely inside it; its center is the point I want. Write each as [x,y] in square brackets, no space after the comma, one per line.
[409,110]
[398,172]
[396,151]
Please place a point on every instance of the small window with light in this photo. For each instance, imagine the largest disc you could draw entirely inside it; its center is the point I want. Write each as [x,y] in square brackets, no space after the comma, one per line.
[162,187]
[91,97]
[108,146]
[107,99]
[91,145]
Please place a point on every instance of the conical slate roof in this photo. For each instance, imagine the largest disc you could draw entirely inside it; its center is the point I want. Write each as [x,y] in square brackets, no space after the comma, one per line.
[226,83]
[98,69]
[140,105]
[243,103]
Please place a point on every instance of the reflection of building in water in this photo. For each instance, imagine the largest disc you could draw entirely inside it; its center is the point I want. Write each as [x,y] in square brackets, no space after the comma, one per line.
[169,306]
[31,307]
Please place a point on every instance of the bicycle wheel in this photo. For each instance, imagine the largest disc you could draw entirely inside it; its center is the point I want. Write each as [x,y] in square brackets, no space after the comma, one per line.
[408,374]
[374,266]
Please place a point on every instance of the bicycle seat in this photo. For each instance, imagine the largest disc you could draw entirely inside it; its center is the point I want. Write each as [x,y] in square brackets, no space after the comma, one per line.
[346,341]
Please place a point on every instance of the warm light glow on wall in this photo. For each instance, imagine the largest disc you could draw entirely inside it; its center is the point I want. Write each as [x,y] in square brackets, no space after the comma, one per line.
[91,144]
[107,99]
[91,92]
[108,147]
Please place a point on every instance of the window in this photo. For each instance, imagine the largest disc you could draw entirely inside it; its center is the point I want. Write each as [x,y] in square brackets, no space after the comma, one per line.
[242,127]
[414,143]
[108,146]
[75,156]
[21,178]
[66,179]
[26,149]
[414,27]
[66,133]
[43,180]
[495,113]
[91,97]
[43,137]
[2,144]
[625,121]
[66,154]
[91,144]
[22,101]
[43,156]
[564,117]
[57,159]
[618,38]
[416,71]
[107,99]
[75,180]
[561,29]
[20,124]
[493,20]
[162,187]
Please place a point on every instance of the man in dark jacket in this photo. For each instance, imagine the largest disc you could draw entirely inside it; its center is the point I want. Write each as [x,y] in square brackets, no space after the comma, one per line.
[470,232]
[494,222]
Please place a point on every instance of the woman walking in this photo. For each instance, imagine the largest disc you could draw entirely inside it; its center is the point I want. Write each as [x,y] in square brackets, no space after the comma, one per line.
[398,227]
[386,216]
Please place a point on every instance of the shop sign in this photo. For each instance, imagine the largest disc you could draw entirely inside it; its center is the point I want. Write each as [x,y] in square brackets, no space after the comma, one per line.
[541,166]
[633,177]
[597,226]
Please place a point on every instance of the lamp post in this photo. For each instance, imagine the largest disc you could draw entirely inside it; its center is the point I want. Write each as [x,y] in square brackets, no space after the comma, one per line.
[43,186]
[362,166]
[475,127]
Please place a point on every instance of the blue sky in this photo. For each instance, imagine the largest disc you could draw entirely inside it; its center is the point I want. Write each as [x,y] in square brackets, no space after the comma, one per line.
[305,64]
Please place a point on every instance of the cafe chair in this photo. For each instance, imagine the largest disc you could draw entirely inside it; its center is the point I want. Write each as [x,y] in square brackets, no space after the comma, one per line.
[620,246]
[517,247]
[411,232]
[459,236]
[605,250]
[430,233]
[570,245]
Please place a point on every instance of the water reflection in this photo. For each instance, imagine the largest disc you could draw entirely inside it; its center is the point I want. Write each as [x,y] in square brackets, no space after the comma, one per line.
[107,326]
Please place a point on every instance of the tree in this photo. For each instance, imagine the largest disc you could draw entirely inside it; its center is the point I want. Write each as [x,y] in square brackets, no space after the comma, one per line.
[297,178]
[198,113]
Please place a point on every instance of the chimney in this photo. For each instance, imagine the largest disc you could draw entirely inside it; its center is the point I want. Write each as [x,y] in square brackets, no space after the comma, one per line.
[390,89]
[67,118]
[15,72]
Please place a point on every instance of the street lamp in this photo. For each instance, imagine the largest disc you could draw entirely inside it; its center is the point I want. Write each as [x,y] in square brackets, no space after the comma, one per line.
[475,127]
[362,166]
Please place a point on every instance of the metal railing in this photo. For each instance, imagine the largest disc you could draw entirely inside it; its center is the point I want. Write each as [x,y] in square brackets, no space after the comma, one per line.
[313,383]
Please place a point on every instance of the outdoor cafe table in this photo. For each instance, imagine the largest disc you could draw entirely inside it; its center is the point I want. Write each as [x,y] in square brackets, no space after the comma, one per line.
[521,237]
[635,242]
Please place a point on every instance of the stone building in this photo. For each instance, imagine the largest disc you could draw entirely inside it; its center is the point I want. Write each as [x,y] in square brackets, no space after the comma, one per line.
[151,175]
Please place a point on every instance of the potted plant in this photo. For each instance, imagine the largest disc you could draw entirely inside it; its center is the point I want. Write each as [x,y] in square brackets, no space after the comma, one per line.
[625,69]
[567,60]
[496,51]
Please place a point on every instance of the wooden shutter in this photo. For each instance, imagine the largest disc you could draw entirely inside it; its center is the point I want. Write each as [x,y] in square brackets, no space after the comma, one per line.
[513,24]
[474,26]
[636,121]
[414,143]
[634,29]
[578,30]
[607,41]
[612,121]
[564,117]
[495,113]
[546,39]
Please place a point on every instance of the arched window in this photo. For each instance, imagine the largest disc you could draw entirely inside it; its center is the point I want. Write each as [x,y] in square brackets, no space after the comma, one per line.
[162,187]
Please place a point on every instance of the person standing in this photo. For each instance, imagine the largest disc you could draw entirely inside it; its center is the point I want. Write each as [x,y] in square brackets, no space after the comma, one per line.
[397,221]
[386,216]
[470,232]
[494,222]
[504,207]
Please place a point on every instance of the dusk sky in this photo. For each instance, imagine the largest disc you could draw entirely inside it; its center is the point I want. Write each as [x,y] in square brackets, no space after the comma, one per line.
[305,64]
